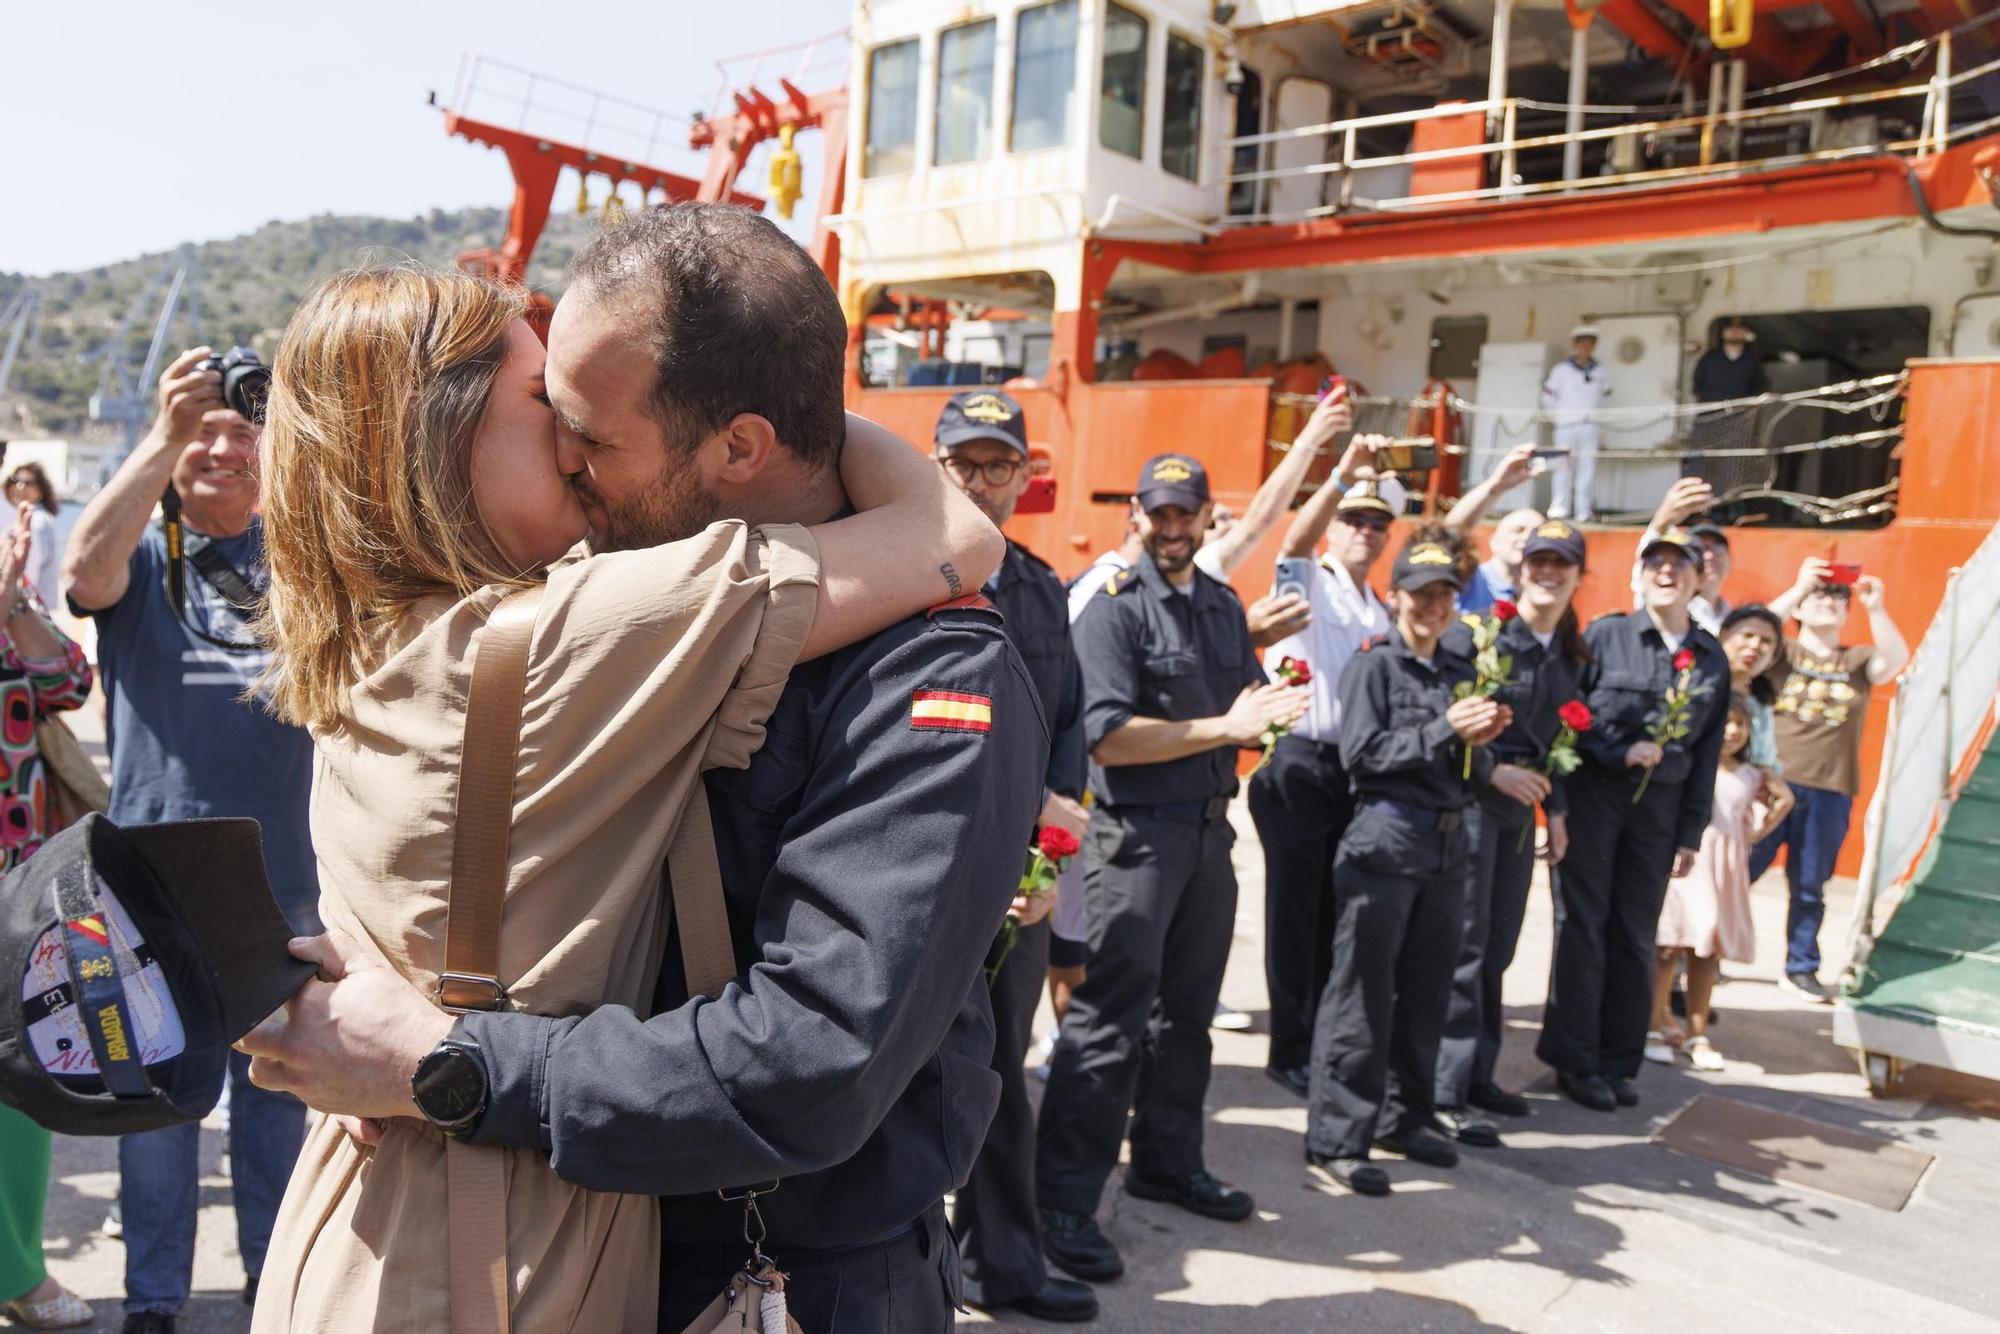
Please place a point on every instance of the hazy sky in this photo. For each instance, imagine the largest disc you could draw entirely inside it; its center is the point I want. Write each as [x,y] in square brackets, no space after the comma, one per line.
[131,127]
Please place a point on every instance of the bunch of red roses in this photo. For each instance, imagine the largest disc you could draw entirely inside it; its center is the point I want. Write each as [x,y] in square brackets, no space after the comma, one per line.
[1672,722]
[1563,759]
[1492,669]
[1051,852]
[1293,672]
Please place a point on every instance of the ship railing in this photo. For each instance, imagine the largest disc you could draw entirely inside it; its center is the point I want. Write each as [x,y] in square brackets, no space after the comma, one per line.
[529,102]
[1711,134]
[1943,704]
[1747,448]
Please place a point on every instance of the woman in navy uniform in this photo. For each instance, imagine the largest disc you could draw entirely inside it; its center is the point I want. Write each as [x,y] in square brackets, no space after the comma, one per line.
[1545,645]
[1637,810]
[1401,872]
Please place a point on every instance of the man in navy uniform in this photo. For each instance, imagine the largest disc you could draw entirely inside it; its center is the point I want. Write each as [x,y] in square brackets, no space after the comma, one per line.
[867,860]
[982,444]
[1172,690]
[1637,807]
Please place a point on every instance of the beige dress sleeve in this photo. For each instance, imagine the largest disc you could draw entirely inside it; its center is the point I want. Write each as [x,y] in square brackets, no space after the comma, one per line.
[652,642]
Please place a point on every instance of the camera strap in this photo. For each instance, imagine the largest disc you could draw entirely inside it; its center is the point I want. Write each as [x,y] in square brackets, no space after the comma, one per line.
[213,567]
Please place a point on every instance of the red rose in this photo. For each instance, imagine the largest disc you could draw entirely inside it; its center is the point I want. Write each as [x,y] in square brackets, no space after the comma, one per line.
[1296,671]
[1058,843]
[1504,611]
[1575,715]
[1684,660]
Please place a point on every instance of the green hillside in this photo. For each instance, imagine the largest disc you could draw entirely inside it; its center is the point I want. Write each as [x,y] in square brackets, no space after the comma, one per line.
[247,287]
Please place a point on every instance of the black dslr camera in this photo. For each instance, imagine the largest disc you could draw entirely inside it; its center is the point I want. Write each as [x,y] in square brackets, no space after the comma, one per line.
[246,381]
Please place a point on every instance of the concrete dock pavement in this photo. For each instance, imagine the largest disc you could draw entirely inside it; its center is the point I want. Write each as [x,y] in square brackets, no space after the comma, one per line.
[1580,1223]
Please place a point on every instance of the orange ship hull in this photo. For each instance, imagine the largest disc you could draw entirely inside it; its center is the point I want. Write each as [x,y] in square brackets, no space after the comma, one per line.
[1099,434]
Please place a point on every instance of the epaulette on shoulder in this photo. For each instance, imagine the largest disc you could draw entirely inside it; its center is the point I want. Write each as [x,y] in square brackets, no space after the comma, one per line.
[1605,616]
[1120,581]
[970,602]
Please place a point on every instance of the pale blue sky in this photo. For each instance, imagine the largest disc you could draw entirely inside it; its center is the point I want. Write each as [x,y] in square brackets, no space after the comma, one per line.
[131,127]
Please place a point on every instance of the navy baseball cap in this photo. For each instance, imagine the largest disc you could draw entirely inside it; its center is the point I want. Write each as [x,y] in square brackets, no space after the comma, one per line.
[1172,479]
[1709,532]
[1556,537]
[982,414]
[1421,564]
[130,960]
[1673,539]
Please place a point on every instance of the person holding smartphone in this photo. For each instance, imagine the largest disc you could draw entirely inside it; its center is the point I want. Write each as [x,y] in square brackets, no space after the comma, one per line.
[1819,717]
[1301,801]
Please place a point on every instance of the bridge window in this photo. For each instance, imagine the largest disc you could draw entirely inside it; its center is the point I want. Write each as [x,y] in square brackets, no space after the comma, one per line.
[1121,116]
[892,109]
[1180,125]
[965,93]
[1044,75]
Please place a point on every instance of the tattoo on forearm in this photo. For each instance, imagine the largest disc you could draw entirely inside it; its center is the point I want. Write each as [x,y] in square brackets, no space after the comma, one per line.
[952,583]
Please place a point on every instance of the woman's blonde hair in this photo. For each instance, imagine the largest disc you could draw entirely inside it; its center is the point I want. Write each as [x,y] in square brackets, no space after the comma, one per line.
[377,392]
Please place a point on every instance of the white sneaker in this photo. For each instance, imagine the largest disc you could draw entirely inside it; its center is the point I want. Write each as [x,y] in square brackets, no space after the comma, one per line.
[1230,1021]
[1702,1055]
[1658,1050]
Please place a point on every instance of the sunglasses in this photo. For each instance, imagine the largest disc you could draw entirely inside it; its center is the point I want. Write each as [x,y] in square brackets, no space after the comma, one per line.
[1374,523]
[23,479]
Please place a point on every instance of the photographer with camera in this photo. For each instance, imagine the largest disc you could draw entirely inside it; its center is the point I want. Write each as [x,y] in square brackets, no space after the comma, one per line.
[174,604]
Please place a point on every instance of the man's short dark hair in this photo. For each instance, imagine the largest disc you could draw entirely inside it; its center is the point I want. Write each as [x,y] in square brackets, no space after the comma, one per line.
[742,321]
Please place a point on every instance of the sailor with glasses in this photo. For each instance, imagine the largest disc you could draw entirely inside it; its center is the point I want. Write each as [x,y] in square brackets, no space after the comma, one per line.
[982,443]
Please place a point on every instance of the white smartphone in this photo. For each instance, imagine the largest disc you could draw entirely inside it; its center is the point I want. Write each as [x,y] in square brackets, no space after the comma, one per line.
[1295,577]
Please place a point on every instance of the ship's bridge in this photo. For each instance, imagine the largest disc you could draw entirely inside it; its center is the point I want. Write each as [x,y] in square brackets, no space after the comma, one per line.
[992,140]
[991,137]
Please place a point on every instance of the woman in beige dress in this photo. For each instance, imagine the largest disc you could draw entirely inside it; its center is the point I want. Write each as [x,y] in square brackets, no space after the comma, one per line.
[413,476]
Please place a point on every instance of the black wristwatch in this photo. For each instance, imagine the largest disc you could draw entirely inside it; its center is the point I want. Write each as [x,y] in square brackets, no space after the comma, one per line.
[449,1086]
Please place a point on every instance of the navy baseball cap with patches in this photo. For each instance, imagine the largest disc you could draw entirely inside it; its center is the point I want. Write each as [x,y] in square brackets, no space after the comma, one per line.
[1556,537]
[130,960]
[1172,479]
[1421,564]
[1673,539]
[982,414]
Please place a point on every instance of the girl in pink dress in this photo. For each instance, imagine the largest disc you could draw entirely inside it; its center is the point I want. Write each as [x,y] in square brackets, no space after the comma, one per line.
[1706,918]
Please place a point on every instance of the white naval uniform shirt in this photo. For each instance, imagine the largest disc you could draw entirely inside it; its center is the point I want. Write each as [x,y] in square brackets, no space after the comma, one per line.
[1344,618]
[1571,390]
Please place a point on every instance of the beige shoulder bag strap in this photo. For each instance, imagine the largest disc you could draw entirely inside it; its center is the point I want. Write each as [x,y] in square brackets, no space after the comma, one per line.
[707,958]
[475,1178]
[755,1298]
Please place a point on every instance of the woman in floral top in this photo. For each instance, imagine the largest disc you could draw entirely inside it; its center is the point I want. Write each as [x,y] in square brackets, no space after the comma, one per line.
[41,672]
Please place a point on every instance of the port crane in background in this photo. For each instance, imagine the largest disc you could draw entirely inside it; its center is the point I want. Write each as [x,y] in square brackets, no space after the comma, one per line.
[20,320]
[124,395]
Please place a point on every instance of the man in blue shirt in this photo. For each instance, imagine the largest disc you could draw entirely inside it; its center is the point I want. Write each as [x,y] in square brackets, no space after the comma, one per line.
[1499,575]
[177,655]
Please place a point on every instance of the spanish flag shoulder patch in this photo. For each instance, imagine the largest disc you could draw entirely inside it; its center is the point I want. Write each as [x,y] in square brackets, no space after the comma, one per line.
[950,711]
